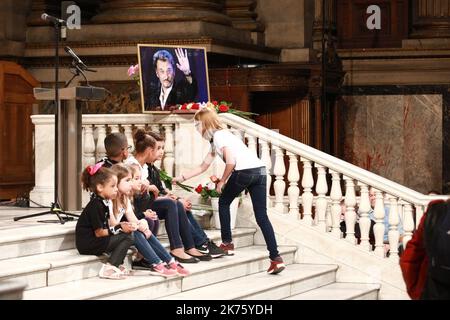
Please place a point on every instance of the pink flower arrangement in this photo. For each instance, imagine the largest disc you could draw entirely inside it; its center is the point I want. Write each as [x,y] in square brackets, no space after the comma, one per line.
[133,71]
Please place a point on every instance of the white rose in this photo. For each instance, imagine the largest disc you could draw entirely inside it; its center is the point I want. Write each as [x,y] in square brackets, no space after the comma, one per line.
[211,186]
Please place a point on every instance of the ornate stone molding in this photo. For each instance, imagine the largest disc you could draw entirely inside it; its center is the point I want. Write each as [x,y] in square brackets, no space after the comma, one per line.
[126,11]
[243,15]
[123,43]
[42,57]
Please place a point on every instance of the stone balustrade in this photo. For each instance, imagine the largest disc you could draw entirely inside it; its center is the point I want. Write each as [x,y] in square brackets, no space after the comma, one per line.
[314,187]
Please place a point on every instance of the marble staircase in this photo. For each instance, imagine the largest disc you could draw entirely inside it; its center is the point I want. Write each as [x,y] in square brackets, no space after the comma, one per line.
[44,258]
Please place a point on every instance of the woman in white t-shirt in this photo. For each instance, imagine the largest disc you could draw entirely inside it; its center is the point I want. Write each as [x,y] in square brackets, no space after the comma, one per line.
[243,170]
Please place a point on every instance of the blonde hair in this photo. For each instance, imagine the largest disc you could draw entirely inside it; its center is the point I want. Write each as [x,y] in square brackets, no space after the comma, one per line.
[209,119]
[134,168]
[121,171]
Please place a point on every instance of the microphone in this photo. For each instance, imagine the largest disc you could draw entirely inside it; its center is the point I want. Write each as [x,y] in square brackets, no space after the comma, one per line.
[77,59]
[50,18]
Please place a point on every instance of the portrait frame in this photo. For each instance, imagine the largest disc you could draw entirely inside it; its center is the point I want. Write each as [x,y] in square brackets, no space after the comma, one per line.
[150,83]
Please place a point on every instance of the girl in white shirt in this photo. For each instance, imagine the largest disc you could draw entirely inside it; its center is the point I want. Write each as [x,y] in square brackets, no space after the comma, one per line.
[243,170]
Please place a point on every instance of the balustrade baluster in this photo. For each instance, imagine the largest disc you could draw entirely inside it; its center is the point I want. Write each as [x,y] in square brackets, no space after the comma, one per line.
[251,143]
[336,197]
[321,202]
[88,146]
[379,226]
[364,220]
[265,157]
[128,131]
[307,196]
[408,223]
[169,148]
[279,185]
[393,234]
[100,147]
[419,214]
[350,214]
[293,190]
[114,128]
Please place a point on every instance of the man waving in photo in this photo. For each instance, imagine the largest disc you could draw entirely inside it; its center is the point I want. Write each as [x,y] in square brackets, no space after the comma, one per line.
[167,92]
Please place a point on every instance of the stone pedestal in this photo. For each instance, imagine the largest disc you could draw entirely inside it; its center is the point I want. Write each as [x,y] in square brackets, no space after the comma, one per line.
[44,140]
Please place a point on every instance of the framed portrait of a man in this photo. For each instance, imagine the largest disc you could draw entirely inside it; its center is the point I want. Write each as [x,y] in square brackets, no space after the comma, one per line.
[171,76]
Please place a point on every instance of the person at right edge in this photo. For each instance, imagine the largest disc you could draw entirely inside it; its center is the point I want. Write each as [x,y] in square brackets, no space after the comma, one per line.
[425,263]
[243,170]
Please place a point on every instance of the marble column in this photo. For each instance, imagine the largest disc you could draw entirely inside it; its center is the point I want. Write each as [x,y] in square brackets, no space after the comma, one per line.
[126,11]
[243,14]
[431,19]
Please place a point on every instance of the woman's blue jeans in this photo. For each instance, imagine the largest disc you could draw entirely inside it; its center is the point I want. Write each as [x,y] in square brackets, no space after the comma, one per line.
[255,181]
[151,248]
[200,237]
[177,224]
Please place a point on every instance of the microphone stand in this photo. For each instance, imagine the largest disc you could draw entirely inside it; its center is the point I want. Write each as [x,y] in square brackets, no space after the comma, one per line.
[55,206]
[78,71]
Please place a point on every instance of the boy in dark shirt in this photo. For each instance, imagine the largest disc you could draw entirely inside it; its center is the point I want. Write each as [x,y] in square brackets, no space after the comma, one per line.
[117,149]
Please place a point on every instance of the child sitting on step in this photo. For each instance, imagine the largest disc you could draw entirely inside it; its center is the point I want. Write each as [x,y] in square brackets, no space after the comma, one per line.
[202,243]
[158,260]
[140,207]
[117,149]
[94,234]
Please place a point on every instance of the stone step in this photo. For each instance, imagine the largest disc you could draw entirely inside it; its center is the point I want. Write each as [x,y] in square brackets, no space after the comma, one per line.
[32,240]
[341,291]
[12,289]
[295,279]
[141,285]
[52,268]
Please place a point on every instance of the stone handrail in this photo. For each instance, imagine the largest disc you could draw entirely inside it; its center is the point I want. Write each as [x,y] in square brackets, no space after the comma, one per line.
[328,161]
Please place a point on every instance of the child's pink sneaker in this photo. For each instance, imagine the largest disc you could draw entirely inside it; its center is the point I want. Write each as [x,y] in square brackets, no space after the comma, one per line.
[162,269]
[179,269]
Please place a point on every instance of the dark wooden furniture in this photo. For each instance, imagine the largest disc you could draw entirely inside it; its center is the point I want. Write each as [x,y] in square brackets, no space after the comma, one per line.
[16,139]
[288,98]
